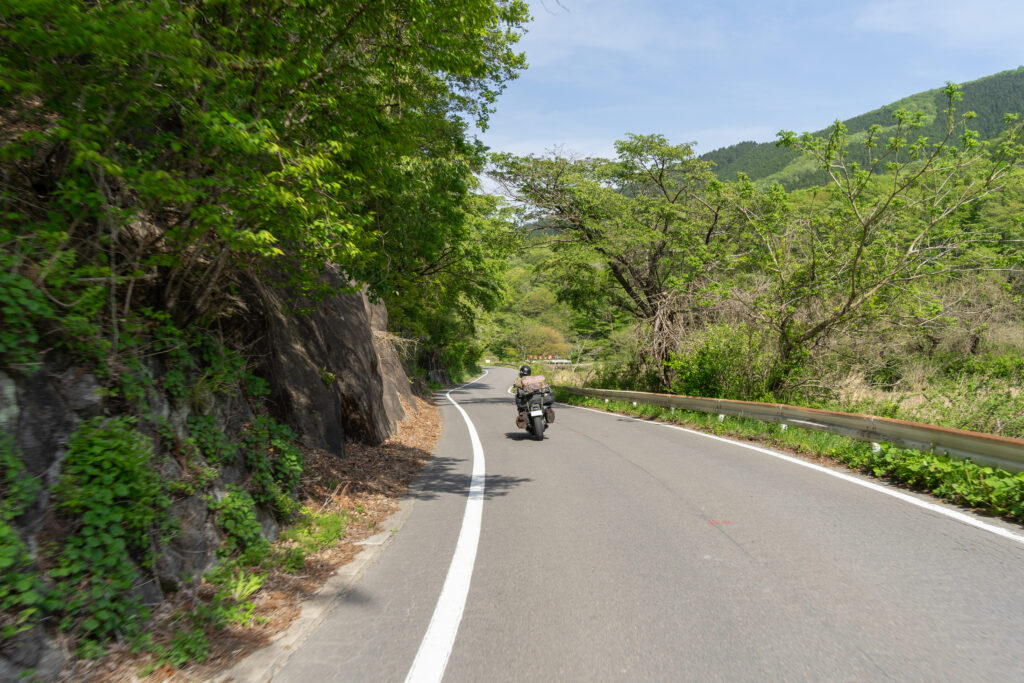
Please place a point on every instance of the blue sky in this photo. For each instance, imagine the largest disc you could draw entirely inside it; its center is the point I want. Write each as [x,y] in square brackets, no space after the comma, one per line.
[720,72]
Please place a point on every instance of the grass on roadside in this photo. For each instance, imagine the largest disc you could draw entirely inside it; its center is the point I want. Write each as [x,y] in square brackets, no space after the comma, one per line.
[228,590]
[986,489]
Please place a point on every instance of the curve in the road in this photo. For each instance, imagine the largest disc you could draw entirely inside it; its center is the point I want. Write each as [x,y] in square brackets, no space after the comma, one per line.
[928,505]
[432,656]
[613,551]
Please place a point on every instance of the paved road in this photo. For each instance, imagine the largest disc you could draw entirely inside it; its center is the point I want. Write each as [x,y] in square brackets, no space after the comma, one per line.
[620,550]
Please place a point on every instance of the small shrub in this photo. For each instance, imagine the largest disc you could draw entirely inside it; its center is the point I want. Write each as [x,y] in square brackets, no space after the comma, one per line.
[187,646]
[726,362]
[236,516]
[173,344]
[291,560]
[887,375]
[275,464]
[215,446]
[257,387]
[22,306]
[1006,367]
[231,604]
[314,532]
[117,503]
[135,381]
[222,371]
[232,600]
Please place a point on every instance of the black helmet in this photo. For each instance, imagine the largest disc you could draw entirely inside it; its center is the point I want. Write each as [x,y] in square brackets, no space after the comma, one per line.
[524,371]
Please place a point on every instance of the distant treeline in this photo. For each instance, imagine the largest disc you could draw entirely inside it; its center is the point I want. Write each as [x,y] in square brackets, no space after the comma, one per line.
[990,98]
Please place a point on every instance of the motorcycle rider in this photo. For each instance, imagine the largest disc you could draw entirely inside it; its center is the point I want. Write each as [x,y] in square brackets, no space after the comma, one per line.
[517,387]
[521,392]
[524,371]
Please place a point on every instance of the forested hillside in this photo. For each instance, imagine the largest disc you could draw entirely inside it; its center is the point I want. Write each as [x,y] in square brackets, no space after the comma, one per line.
[990,98]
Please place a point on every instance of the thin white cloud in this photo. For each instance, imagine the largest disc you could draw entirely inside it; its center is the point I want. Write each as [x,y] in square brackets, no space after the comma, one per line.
[731,70]
[563,30]
[979,23]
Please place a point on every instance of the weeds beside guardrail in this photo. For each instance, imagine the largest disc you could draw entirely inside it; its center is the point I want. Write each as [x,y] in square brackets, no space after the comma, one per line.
[963,482]
[998,451]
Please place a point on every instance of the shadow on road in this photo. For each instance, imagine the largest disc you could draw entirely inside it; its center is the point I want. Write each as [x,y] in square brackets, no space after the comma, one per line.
[439,478]
[519,436]
[353,595]
[471,387]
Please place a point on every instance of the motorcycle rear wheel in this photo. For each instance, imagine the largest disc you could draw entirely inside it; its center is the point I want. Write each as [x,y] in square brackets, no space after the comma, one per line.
[538,427]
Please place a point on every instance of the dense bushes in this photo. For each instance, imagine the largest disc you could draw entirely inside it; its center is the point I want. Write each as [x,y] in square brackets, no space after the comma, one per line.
[119,479]
[723,361]
[114,493]
[889,375]
[115,504]
[274,463]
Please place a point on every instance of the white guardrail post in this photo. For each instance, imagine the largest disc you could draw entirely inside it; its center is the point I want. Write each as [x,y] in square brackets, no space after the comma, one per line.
[988,449]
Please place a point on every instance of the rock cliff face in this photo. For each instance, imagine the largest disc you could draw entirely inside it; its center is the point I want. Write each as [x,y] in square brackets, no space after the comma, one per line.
[324,368]
[396,382]
[332,377]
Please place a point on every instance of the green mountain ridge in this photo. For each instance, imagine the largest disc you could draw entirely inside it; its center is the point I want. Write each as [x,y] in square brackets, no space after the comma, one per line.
[990,98]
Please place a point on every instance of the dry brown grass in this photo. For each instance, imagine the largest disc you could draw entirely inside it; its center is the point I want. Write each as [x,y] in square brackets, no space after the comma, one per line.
[570,375]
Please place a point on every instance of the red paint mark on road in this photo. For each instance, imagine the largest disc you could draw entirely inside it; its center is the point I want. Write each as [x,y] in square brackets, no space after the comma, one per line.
[718,522]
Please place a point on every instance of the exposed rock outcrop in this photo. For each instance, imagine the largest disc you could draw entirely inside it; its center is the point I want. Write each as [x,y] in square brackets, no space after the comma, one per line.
[330,379]
[34,651]
[324,368]
[396,382]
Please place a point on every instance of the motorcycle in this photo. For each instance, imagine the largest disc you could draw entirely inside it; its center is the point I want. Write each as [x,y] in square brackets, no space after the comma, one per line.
[534,402]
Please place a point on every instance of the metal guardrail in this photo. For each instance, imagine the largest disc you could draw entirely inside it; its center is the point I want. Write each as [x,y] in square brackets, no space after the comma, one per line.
[988,449]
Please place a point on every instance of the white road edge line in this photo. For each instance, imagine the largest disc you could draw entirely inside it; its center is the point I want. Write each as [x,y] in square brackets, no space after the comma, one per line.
[432,657]
[959,516]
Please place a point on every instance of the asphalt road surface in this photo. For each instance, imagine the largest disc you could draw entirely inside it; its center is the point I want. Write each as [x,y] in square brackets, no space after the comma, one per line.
[617,549]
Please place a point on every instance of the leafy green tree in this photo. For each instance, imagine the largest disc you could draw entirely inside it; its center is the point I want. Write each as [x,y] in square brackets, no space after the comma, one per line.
[155,150]
[881,228]
[440,295]
[540,340]
[645,232]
